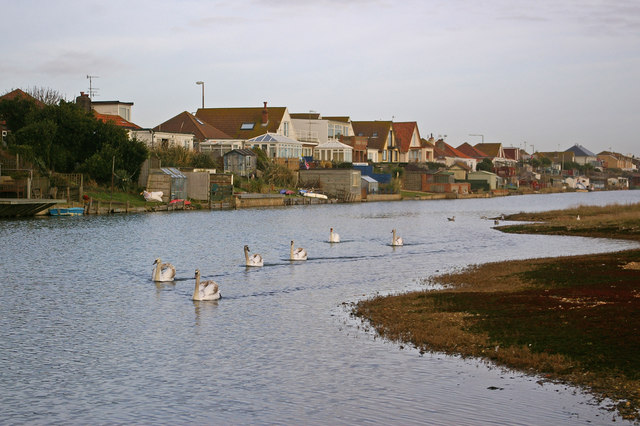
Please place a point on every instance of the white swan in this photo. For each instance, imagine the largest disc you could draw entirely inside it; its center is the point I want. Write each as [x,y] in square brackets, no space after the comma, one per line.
[254,259]
[578,218]
[163,271]
[333,236]
[206,290]
[396,241]
[297,254]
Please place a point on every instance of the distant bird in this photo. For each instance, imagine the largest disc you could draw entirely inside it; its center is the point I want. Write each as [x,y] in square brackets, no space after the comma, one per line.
[297,254]
[163,272]
[395,240]
[333,236]
[206,290]
[254,259]
[502,216]
[578,218]
[451,219]
[496,222]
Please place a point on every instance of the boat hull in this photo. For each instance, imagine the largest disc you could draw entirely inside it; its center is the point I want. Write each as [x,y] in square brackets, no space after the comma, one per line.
[69,211]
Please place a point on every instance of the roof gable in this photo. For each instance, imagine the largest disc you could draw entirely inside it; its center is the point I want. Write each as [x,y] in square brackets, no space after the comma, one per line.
[187,123]
[377,132]
[471,151]
[492,150]
[243,123]
[19,94]
[443,149]
[404,134]
[117,120]
[581,151]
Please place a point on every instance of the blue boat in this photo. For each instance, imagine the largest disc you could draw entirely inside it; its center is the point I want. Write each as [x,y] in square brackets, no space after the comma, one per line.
[67,211]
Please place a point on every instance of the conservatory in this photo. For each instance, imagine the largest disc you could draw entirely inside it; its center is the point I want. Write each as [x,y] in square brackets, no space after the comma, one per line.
[333,151]
[276,146]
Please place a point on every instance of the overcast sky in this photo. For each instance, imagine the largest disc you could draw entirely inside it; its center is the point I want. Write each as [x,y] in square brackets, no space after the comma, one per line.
[550,73]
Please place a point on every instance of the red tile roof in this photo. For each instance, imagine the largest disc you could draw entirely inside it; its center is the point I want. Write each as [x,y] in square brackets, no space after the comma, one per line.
[117,120]
[187,123]
[472,151]
[17,93]
[230,120]
[442,149]
[404,133]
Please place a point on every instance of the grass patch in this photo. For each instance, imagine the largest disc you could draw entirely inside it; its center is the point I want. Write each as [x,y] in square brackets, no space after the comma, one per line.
[105,195]
[574,319]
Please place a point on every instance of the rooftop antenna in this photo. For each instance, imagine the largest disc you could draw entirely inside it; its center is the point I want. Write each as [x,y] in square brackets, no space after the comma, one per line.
[93,91]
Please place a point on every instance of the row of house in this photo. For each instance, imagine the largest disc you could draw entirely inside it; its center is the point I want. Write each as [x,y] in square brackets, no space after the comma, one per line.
[295,139]
[283,135]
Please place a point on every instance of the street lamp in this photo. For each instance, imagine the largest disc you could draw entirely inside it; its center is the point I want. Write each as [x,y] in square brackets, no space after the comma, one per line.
[201,83]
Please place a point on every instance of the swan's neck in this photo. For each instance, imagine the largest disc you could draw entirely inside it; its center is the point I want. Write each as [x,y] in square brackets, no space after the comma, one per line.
[246,255]
[291,250]
[394,235]
[156,272]
[196,291]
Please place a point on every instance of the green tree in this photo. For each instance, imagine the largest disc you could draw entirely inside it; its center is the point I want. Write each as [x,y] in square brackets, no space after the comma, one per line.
[485,164]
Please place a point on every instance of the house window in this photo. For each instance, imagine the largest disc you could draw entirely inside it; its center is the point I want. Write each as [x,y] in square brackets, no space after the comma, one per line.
[384,155]
[247,126]
[286,128]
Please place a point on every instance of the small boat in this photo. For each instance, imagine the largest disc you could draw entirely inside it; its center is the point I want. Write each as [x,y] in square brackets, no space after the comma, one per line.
[66,211]
[312,194]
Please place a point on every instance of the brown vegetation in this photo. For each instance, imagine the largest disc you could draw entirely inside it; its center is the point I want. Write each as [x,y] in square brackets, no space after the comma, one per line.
[573,319]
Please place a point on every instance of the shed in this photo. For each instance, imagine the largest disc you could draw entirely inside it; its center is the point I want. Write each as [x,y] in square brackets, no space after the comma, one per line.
[493,180]
[369,184]
[344,184]
[171,181]
[240,161]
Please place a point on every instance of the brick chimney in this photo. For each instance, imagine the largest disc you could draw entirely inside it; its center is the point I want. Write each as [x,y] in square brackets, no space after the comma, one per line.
[265,115]
[84,102]
[440,144]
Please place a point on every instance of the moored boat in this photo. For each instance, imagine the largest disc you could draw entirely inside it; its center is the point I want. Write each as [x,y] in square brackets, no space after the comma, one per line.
[66,211]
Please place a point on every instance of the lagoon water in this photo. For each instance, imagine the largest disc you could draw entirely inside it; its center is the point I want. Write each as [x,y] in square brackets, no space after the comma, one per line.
[87,337]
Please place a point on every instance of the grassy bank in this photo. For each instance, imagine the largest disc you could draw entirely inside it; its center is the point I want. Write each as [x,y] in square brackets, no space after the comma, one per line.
[573,319]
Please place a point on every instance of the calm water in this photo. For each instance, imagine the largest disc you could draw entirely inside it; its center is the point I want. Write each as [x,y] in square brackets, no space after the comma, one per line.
[87,337]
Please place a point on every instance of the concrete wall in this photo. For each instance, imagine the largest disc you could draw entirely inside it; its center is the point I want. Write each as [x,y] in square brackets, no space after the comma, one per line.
[339,183]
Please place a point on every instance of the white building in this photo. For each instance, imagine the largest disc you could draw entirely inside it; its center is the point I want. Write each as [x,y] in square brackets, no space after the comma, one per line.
[333,151]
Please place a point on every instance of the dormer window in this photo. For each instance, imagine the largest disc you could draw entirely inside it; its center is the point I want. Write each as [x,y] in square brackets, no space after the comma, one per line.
[375,134]
[247,126]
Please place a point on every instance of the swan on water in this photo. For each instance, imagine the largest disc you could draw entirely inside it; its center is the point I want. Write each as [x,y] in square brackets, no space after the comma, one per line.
[254,259]
[333,236]
[396,241]
[297,254]
[206,290]
[163,271]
